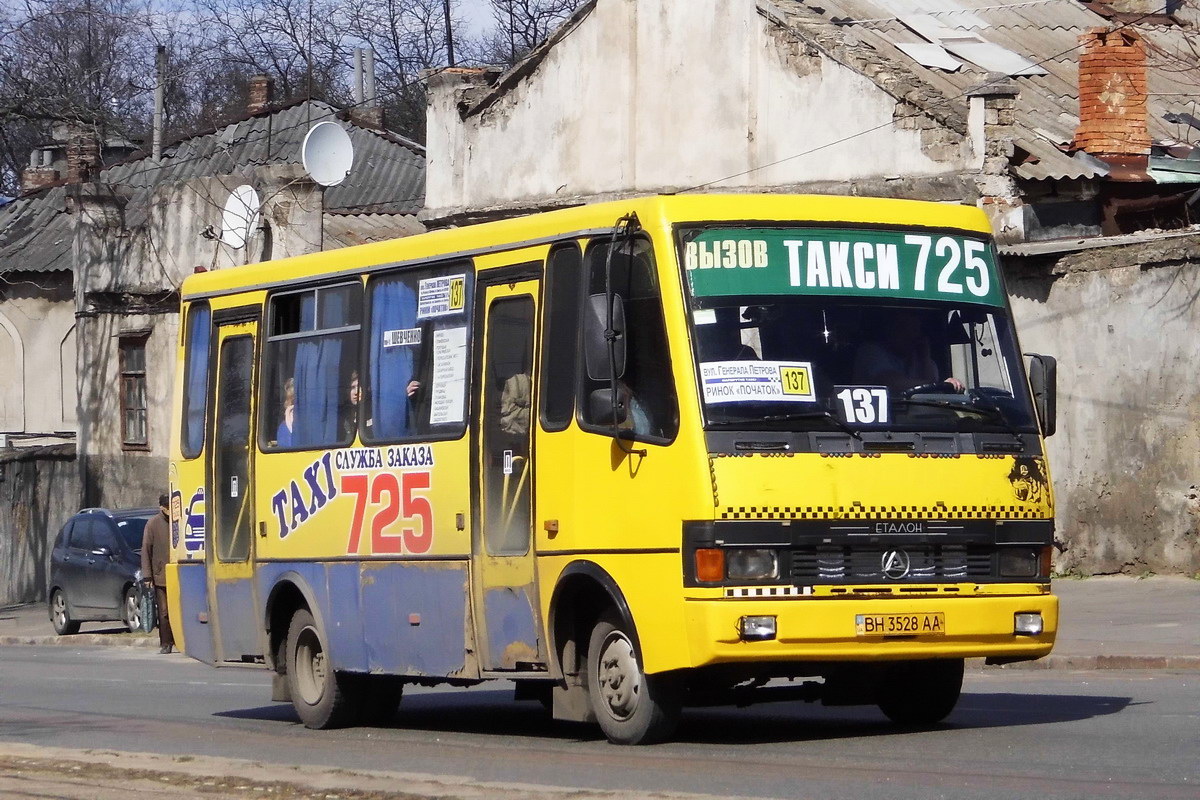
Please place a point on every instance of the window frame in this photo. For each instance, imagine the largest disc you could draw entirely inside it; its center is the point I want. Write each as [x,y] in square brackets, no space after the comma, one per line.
[549,303]
[265,359]
[189,353]
[627,434]
[124,375]
[418,272]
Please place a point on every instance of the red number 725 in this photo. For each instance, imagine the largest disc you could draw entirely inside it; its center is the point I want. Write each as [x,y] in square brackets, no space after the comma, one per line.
[395,493]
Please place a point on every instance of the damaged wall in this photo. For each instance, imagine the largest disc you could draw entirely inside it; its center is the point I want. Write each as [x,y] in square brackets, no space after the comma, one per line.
[39,491]
[1124,323]
[642,96]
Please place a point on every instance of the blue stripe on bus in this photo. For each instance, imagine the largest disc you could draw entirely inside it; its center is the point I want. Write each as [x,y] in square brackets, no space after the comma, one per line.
[401,618]
[238,619]
[193,598]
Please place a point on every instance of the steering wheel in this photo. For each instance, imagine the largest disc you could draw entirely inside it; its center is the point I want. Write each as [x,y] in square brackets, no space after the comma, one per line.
[941,387]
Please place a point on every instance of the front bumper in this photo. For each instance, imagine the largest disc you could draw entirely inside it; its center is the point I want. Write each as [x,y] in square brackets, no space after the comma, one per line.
[822,628]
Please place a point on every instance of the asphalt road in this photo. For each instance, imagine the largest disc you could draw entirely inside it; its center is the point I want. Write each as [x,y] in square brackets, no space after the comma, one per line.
[1015,733]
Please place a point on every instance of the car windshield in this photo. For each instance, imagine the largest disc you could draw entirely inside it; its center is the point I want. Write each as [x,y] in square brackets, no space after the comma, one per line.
[131,529]
[779,349]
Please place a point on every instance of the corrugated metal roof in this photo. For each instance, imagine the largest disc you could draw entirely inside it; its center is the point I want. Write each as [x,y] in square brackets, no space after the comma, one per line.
[1046,33]
[388,177]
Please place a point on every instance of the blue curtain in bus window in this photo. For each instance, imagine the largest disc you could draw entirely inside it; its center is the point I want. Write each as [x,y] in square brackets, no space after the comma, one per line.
[317,390]
[393,308]
[196,384]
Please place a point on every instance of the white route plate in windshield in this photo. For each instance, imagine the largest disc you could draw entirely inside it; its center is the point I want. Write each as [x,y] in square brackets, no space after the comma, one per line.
[757,381]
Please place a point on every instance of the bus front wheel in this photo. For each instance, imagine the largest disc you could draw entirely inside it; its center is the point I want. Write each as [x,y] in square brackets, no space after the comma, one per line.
[322,698]
[921,693]
[631,706]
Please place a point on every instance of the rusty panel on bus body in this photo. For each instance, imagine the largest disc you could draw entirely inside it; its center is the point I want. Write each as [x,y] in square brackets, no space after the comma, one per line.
[375,531]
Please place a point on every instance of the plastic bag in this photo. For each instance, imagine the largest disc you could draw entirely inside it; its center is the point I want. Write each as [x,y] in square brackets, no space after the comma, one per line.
[149,607]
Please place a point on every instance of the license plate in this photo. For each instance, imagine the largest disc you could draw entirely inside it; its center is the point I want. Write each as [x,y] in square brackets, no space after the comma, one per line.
[922,624]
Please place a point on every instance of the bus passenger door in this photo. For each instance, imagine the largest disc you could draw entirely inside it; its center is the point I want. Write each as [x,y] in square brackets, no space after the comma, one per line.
[504,595]
[232,614]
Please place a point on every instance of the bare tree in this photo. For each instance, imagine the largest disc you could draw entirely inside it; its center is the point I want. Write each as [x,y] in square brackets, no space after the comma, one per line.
[407,36]
[522,25]
[80,61]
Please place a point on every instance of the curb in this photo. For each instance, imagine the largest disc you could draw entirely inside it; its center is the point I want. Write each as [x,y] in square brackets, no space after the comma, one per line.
[77,639]
[1103,662]
[1051,662]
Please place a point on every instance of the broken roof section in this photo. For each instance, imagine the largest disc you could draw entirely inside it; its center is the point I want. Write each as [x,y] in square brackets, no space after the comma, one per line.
[1037,42]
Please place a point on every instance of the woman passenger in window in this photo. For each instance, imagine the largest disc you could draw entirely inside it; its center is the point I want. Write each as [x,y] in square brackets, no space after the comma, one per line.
[283,436]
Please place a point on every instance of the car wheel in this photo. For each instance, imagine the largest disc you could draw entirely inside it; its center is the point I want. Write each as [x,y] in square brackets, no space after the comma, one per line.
[921,693]
[60,616]
[631,706]
[322,698]
[132,610]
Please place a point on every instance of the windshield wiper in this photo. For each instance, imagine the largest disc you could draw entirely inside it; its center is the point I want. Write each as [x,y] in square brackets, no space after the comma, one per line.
[822,414]
[989,411]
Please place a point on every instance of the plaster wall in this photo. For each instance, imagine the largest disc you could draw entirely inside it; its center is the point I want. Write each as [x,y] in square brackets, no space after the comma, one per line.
[37,359]
[1123,323]
[653,95]
[112,475]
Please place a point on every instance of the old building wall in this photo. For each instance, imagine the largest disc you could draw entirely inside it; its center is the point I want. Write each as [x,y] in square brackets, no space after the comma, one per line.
[1124,323]
[653,95]
[37,320]
[39,491]
[113,475]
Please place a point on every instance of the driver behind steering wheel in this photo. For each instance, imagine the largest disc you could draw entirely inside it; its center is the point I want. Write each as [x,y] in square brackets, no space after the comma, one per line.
[897,355]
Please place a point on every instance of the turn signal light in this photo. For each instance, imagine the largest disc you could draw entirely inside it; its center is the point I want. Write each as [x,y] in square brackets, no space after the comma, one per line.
[710,565]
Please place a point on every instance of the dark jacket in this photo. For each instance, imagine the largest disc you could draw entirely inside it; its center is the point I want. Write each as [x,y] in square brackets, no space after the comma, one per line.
[156,549]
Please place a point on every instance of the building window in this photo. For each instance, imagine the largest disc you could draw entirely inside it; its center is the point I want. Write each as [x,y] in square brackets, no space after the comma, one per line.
[134,435]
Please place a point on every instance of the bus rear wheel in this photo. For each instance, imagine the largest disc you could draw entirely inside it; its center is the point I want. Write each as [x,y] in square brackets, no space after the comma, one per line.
[921,693]
[631,706]
[321,697]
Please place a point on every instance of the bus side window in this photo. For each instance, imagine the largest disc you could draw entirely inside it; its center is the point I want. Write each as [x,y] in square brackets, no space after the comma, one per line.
[647,386]
[309,367]
[418,337]
[560,335]
[195,384]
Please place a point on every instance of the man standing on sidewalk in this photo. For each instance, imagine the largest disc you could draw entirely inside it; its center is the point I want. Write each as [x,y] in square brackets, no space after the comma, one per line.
[155,552]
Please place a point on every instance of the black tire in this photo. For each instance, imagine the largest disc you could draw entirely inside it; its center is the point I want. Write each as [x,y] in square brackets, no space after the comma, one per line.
[631,706]
[131,609]
[322,698]
[921,693]
[60,614]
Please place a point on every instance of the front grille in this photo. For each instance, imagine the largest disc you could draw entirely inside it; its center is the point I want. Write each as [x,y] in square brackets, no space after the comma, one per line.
[865,564]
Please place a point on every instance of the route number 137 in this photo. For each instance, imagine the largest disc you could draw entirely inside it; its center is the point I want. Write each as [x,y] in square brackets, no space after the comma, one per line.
[867,405]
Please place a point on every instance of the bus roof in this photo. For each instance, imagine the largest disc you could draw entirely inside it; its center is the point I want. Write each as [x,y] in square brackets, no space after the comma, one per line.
[656,211]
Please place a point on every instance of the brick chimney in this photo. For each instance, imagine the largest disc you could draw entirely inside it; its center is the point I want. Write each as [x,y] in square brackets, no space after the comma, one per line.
[1112,95]
[83,154]
[262,93]
[39,174]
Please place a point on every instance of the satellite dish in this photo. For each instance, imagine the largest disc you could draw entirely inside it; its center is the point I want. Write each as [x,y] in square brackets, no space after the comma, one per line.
[240,216]
[327,153]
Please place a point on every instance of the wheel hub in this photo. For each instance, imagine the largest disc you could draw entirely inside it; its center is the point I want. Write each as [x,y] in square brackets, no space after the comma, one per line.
[620,684]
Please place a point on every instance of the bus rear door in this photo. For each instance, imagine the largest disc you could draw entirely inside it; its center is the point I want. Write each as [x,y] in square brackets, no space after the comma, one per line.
[507,622]
[233,616]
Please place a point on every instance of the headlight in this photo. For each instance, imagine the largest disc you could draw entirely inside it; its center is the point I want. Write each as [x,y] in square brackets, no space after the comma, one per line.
[1019,562]
[751,565]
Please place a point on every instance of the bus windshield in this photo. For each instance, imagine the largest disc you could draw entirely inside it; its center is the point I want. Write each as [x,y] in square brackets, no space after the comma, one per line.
[810,329]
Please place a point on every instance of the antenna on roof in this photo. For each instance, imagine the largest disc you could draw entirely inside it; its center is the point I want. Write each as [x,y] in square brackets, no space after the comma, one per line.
[327,153]
[240,216]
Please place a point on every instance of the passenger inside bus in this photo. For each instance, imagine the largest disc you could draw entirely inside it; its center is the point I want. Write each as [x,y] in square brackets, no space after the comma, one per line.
[283,434]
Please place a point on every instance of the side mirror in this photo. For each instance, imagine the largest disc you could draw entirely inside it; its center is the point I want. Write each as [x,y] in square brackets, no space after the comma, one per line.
[1043,379]
[595,345]
[604,410]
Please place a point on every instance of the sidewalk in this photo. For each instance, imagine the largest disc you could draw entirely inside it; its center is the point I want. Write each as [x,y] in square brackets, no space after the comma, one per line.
[1105,623]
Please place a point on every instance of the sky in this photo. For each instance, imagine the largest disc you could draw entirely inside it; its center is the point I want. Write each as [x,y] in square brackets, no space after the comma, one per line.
[477,13]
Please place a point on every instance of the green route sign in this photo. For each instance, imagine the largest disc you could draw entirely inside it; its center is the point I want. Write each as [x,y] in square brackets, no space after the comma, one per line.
[842,261]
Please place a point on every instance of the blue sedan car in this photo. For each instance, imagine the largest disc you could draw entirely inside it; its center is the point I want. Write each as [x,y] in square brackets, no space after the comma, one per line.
[95,568]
